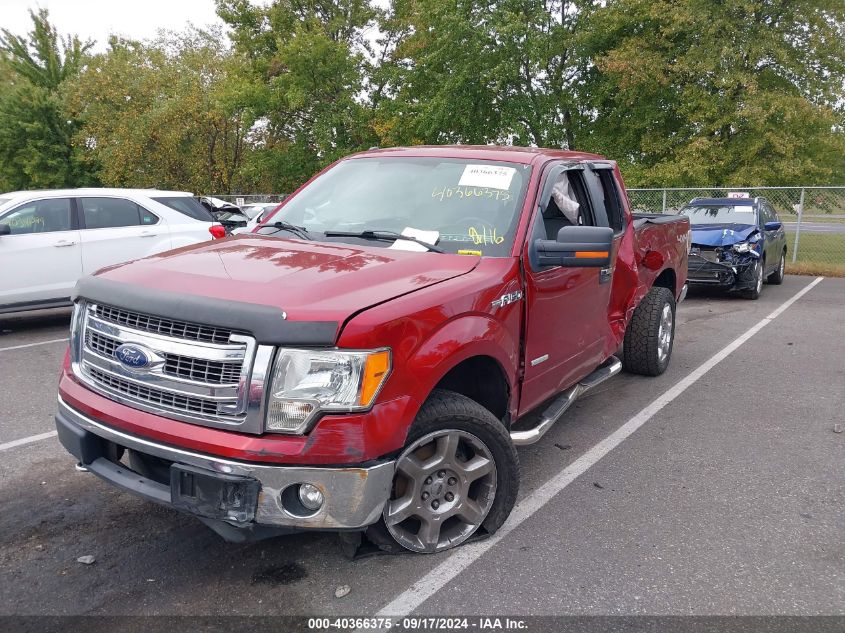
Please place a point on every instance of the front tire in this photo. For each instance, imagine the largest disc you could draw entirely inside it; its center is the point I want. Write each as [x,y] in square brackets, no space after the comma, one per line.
[754,293]
[650,334]
[459,471]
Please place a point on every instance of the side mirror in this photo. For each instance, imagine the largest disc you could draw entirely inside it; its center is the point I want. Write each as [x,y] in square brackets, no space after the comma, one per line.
[772,226]
[5,229]
[577,246]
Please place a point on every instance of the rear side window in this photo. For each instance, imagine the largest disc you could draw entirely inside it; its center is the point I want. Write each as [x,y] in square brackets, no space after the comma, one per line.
[103,213]
[612,203]
[39,216]
[186,206]
[147,217]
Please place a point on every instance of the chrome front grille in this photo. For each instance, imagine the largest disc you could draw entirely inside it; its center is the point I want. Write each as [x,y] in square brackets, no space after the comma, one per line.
[103,345]
[186,371]
[201,370]
[154,396]
[165,327]
[195,369]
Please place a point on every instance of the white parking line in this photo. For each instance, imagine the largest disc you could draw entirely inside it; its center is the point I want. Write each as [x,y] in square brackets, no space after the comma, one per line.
[55,340]
[27,440]
[462,557]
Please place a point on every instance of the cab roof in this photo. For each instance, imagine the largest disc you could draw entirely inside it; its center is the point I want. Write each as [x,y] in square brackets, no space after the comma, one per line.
[503,153]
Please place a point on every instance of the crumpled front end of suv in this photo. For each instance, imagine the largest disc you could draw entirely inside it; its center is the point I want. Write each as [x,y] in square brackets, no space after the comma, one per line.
[722,267]
[724,256]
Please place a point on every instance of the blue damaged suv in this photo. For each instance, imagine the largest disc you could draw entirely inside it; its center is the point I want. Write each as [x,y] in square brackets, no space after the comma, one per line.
[736,244]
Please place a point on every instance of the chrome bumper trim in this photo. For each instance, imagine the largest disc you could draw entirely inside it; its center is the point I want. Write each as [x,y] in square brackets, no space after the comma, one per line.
[354,496]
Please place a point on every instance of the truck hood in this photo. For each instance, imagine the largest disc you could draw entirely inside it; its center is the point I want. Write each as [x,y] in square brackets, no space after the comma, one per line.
[720,234]
[309,281]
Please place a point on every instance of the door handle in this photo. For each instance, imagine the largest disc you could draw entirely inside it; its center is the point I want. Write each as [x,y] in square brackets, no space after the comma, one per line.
[63,243]
[147,234]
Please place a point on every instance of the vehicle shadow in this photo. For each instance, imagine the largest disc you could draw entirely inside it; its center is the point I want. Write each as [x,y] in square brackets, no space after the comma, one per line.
[15,322]
[704,292]
[141,550]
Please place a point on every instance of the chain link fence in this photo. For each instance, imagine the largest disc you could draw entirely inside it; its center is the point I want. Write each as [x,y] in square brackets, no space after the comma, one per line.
[814,218]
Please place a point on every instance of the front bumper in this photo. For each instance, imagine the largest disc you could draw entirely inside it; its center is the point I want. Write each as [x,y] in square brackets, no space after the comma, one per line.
[732,276]
[233,497]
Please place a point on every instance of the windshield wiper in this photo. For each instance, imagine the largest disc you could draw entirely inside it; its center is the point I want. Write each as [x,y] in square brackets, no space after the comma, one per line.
[383,235]
[282,225]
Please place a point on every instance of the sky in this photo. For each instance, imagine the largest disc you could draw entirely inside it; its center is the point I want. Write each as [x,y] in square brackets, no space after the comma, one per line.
[97,19]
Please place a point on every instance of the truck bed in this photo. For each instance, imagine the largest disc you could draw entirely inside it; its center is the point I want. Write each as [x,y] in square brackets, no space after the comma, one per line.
[641,219]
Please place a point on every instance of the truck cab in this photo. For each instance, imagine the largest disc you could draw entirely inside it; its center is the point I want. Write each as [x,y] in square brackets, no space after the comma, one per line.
[370,357]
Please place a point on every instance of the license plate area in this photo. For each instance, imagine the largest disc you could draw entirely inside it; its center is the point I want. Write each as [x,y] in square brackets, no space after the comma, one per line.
[214,495]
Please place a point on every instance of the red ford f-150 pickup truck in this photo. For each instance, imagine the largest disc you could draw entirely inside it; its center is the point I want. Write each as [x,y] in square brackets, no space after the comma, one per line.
[372,355]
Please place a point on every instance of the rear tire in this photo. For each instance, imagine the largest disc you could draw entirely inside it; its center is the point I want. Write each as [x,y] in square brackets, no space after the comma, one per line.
[650,334]
[459,471]
[776,278]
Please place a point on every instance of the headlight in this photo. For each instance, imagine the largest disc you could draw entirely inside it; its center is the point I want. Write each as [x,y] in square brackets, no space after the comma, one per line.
[76,320]
[307,382]
[745,247]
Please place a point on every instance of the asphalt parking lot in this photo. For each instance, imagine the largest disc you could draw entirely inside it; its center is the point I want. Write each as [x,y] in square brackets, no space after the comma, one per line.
[717,488]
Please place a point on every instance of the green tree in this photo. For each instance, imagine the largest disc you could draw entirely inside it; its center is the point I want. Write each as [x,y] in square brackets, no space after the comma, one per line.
[310,68]
[36,133]
[739,92]
[481,72]
[169,113]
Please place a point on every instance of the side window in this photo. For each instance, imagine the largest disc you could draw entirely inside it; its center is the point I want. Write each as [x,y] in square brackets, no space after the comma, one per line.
[612,201]
[101,213]
[773,215]
[147,217]
[40,216]
[566,204]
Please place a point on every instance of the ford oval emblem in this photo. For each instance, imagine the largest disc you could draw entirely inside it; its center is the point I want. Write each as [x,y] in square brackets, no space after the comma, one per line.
[133,356]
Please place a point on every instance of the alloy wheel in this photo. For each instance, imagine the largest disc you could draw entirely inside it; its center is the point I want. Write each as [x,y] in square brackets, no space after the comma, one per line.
[444,486]
[664,333]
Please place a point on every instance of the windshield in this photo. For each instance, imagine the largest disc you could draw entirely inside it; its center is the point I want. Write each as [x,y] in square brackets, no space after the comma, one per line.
[728,214]
[466,207]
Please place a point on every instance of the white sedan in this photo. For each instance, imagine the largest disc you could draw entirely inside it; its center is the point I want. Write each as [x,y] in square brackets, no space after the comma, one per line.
[49,239]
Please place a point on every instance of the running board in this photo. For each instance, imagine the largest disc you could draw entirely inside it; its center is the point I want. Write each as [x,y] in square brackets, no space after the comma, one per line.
[553,413]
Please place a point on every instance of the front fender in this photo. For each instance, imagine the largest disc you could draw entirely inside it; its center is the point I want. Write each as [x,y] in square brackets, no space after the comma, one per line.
[456,341]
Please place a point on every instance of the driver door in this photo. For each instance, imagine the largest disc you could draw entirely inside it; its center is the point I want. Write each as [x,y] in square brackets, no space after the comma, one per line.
[566,307]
